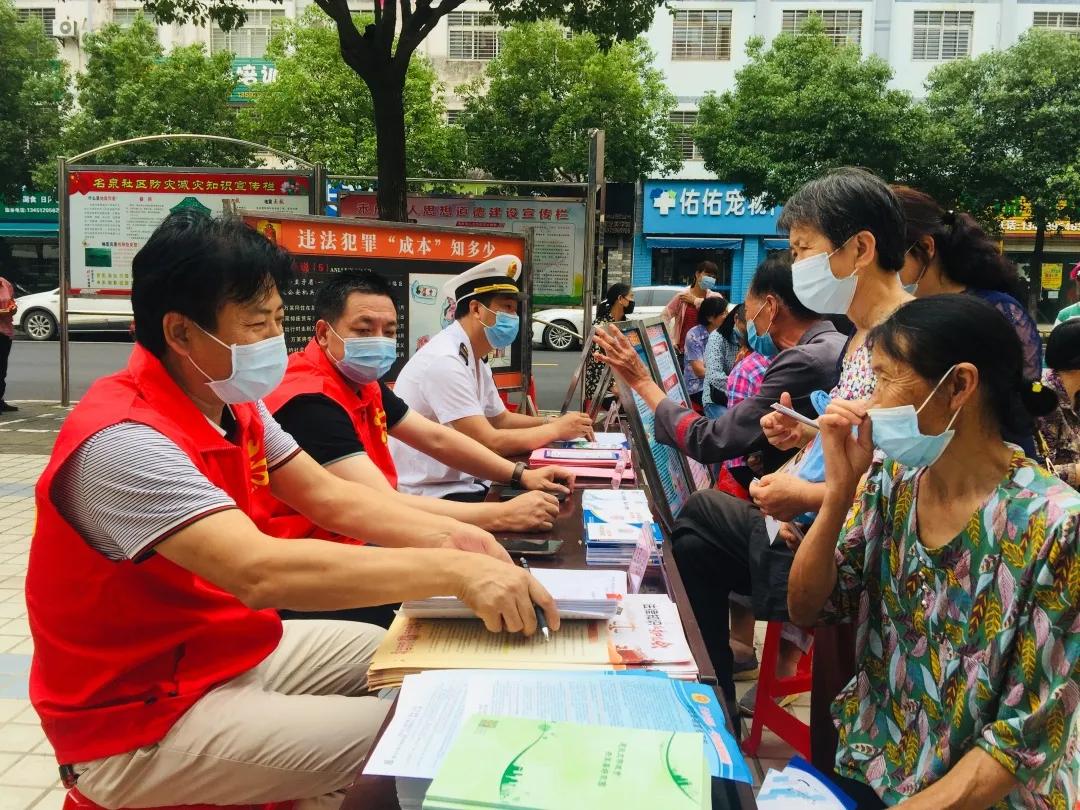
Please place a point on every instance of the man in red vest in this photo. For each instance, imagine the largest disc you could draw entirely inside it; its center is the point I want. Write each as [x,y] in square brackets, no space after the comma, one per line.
[160,673]
[333,403]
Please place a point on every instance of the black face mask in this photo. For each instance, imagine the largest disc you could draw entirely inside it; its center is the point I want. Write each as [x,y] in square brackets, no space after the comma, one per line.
[628,309]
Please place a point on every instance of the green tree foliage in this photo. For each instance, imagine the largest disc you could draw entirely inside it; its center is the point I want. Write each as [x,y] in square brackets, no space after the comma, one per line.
[379,52]
[529,116]
[131,87]
[33,99]
[1008,126]
[801,107]
[321,110]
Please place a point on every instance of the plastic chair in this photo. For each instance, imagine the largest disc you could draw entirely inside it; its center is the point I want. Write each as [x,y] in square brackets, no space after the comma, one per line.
[76,801]
[767,713]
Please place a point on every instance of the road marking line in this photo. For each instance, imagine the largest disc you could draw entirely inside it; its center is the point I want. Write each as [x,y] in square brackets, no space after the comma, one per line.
[545,365]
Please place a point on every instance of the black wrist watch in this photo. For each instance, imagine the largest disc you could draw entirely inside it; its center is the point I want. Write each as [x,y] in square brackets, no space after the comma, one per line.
[519,471]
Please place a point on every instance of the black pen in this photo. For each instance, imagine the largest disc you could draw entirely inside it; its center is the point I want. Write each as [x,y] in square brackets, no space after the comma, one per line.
[541,621]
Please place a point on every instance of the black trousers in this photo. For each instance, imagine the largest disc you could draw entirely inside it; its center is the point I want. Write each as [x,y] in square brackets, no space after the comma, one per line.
[721,546]
[479,496]
[380,615]
[5,351]
[864,795]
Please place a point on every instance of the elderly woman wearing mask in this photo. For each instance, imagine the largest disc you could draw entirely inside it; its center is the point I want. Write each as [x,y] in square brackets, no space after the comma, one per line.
[1059,433]
[958,559]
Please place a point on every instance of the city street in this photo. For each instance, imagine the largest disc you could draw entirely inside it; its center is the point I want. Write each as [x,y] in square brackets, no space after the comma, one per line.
[34,372]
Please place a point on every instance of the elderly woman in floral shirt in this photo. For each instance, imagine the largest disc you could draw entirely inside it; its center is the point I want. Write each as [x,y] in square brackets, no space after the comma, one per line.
[1058,438]
[960,564]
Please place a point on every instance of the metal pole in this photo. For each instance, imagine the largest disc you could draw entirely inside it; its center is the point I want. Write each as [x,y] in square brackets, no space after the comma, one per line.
[588,270]
[65,362]
[525,318]
[318,189]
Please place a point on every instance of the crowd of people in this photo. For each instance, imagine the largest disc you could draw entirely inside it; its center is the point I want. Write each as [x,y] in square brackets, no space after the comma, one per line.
[922,533]
[927,525]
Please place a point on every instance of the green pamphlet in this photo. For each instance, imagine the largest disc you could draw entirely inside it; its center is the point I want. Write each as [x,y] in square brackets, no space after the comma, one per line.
[520,764]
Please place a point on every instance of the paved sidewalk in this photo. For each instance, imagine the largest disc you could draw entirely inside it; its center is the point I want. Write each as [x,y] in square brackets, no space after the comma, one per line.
[32,429]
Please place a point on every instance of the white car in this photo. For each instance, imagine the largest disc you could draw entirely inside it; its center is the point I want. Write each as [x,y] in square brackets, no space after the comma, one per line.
[648,301]
[38,315]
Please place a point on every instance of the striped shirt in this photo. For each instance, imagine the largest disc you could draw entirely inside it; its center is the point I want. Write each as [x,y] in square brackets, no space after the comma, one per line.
[128,487]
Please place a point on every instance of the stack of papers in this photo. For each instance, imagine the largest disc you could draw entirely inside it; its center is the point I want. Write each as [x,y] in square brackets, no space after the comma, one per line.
[512,763]
[645,634]
[586,462]
[433,706]
[602,441]
[579,594]
[613,520]
[800,784]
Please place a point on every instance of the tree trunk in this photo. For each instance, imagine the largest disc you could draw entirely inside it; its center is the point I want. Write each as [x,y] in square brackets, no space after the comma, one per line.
[1035,273]
[387,94]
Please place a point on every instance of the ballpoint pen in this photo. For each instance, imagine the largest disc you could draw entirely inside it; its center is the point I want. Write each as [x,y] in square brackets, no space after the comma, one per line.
[541,621]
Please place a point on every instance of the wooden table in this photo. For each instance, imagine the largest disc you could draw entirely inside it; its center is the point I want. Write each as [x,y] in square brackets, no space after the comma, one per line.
[378,792]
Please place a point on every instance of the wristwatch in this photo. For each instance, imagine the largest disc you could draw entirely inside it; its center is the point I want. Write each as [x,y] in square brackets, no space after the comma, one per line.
[519,471]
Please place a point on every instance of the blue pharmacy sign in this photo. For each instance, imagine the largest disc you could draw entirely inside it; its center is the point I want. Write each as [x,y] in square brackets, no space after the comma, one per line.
[704,207]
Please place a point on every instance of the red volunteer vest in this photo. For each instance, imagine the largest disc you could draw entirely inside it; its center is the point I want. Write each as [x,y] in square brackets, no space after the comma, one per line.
[311,372]
[123,649]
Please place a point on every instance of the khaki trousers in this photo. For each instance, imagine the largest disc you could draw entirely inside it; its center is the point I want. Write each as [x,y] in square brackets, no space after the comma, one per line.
[294,727]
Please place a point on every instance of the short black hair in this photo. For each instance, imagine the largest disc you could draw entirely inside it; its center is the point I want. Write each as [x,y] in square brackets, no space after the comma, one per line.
[931,335]
[1063,346]
[194,264]
[773,277]
[461,309]
[846,201]
[711,307]
[706,267]
[334,294]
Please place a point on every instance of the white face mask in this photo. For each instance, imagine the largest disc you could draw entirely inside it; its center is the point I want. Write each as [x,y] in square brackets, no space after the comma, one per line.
[257,369]
[818,289]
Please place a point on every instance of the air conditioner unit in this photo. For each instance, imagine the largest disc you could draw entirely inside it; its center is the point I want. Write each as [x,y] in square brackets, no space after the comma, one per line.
[65,29]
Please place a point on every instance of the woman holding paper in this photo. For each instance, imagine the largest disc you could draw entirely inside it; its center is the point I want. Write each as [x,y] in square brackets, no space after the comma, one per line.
[959,562]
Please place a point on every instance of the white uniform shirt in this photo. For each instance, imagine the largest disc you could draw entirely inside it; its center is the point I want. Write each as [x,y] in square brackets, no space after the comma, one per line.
[444,382]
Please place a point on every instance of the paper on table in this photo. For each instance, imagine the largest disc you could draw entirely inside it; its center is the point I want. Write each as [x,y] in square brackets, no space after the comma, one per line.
[648,630]
[433,705]
[801,785]
[640,561]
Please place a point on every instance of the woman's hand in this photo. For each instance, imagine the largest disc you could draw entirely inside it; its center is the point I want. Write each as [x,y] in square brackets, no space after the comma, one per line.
[620,356]
[783,432]
[783,496]
[847,456]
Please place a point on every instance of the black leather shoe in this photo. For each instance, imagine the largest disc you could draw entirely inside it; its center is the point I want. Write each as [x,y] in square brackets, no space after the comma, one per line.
[6,408]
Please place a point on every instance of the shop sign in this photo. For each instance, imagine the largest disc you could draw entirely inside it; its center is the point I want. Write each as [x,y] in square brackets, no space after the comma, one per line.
[1017,222]
[250,74]
[1051,276]
[32,206]
[705,207]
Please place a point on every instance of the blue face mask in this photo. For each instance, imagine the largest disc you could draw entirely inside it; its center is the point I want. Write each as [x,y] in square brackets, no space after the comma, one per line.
[366,359]
[707,283]
[504,331]
[257,369]
[896,433]
[762,343]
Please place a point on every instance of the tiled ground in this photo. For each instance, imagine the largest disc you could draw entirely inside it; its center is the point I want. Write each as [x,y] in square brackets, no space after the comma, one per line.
[28,773]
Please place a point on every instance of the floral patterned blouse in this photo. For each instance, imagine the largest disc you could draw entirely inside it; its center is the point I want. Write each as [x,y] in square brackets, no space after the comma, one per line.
[857,380]
[974,644]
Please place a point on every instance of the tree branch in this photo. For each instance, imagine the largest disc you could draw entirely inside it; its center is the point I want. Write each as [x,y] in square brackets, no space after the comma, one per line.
[422,23]
[338,11]
[388,27]
[406,12]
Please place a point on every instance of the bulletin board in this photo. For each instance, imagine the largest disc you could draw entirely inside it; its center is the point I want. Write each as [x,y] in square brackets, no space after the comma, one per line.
[416,261]
[664,467]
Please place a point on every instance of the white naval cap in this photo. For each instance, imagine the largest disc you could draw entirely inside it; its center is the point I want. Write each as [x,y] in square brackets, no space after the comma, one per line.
[499,274]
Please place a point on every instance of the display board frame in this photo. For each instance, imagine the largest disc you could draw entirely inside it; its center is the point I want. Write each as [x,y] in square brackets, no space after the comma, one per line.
[644,440]
[699,473]
[322,245]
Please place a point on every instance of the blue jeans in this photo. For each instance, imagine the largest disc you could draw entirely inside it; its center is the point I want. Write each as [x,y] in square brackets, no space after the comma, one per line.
[715,411]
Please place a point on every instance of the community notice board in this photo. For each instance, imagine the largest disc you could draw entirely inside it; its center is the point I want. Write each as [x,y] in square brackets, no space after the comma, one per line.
[111,212]
[415,260]
[557,224]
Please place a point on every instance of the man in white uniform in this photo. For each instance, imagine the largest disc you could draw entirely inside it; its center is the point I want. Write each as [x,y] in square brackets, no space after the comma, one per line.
[448,382]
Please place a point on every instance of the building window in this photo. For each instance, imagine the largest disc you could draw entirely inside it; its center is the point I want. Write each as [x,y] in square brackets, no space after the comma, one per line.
[842,27]
[47,16]
[124,17]
[251,39]
[1067,21]
[473,36]
[701,36]
[453,116]
[685,120]
[941,36]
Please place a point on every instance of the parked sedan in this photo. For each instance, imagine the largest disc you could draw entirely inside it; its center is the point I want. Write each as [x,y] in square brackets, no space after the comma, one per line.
[648,301]
[39,314]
